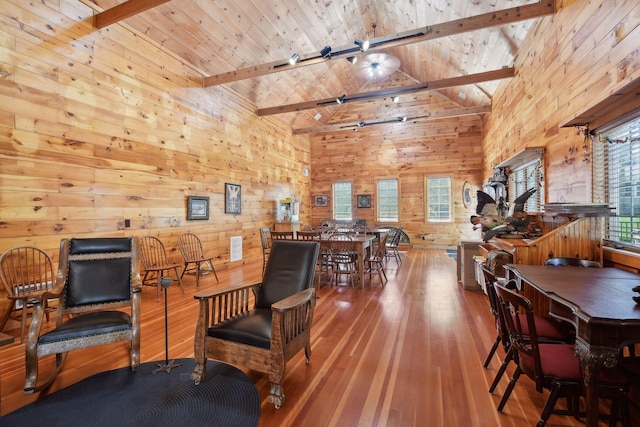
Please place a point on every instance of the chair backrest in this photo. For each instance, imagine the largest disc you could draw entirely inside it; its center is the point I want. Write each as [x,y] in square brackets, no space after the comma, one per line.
[281,235]
[290,269]
[265,237]
[152,252]
[381,249]
[361,229]
[574,262]
[308,235]
[26,269]
[190,247]
[523,338]
[100,272]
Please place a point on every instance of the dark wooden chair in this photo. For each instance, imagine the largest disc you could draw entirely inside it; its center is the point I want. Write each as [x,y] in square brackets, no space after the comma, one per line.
[97,278]
[574,262]
[26,272]
[264,335]
[548,331]
[553,367]
[393,245]
[344,260]
[191,249]
[155,262]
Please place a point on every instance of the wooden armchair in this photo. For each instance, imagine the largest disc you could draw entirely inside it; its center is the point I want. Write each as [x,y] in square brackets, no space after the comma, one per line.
[96,279]
[264,335]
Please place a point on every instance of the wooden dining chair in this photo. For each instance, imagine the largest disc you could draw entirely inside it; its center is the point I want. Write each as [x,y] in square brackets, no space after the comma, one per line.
[265,239]
[343,258]
[26,272]
[191,249]
[156,263]
[375,263]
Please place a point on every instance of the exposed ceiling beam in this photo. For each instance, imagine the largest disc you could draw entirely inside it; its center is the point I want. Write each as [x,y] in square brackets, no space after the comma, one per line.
[445,29]
[124,11]
[434,85]
[442,114]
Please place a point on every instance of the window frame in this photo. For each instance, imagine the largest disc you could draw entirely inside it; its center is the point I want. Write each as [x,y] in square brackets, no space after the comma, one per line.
[427,201]
[606,149]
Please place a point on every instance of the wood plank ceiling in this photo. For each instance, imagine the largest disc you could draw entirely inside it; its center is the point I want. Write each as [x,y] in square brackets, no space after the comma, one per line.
[452,54]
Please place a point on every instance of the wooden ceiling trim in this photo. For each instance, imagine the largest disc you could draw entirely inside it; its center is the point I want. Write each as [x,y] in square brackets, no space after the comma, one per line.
[434,85]
[436,115]
[123,11]
[458,26]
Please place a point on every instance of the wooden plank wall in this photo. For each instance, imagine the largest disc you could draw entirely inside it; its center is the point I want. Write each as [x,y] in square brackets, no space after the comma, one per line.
[584,53]
[101,126]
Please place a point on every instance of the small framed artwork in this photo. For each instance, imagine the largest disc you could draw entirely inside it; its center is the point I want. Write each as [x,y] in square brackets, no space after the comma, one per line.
[232,199]
[321,200]
[364,200]
[197,207]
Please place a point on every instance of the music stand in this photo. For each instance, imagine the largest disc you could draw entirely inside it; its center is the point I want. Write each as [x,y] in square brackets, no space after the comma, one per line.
[167,366]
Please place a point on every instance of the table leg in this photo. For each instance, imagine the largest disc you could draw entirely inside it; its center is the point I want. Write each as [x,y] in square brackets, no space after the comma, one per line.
[591,361]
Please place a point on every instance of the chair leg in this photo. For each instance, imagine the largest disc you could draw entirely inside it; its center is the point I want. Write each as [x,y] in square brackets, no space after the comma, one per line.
[507,392]
[494,347]
[502,370]
[175,269]
[550,404]
[214,271]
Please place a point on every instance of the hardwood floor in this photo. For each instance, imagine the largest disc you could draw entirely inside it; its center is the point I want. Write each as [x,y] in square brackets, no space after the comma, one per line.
[406,354]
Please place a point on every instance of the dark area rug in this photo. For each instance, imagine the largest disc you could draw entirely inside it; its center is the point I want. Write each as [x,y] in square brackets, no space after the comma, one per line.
[227,397]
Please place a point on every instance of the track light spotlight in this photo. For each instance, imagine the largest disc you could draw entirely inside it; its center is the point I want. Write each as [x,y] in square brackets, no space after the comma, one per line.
[361,123]
[362,44]
[341,98]
[294,59]
[395,99]
[326,51]
[352,59]
[402,119]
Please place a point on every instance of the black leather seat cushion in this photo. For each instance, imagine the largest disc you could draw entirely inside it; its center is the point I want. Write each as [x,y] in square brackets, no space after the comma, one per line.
[252,328]
[88,324]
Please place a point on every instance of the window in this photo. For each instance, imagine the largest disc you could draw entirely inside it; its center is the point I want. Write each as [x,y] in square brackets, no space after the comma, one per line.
[523,178]
[438,198]
[616,179]
[387,199]
[342,201]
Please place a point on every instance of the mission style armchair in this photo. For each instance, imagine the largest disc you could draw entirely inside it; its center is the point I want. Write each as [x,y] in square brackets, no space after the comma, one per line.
[261,326]
[97,277]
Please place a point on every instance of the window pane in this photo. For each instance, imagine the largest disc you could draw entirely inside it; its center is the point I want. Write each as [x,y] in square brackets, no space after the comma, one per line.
[387,200]
[438,199]
[342,200]
[524,178]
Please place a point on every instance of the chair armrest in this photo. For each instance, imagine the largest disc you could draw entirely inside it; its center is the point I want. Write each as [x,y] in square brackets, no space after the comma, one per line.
[294,301]
[218,305]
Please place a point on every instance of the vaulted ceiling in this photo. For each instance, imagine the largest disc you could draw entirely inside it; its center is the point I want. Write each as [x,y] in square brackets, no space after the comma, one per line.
[442,58]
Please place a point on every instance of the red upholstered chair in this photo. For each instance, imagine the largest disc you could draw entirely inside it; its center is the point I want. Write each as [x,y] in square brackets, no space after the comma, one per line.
[548,331]
[261,326]
[554,367]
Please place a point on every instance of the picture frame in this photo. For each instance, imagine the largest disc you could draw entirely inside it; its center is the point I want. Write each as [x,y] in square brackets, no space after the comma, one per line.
[232,199]
[364,201]
[197,208]
[321,200]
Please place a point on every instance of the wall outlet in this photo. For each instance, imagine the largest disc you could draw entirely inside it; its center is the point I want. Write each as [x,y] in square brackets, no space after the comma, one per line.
[127,223]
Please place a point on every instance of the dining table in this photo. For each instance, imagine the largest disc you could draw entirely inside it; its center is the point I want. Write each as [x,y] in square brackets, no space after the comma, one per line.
[599,303]
[361,244]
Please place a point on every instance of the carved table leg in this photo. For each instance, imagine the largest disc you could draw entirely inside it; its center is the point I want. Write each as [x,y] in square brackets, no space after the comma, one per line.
[591,360]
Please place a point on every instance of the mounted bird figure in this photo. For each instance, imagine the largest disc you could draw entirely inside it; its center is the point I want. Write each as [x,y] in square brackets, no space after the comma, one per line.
[492,219]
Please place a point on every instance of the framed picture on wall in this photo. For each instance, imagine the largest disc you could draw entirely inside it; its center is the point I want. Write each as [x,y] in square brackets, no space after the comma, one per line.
[197,207]
[321,200]
[364,200]
[232,199]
